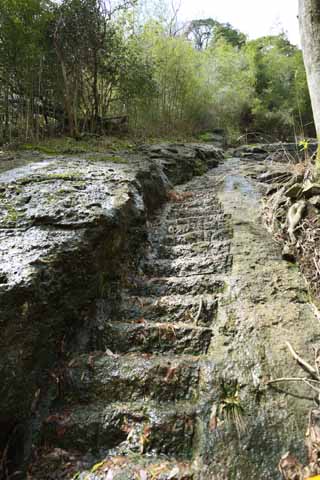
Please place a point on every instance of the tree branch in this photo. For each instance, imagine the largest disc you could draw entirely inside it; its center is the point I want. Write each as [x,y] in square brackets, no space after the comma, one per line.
[303,363]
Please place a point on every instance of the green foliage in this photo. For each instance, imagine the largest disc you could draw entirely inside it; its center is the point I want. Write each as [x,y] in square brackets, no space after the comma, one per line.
[207,32]
[281,105]
[176,95]
[230,83]
[231,408]
[303,145]
[70,146]
[200,167]
[68,66]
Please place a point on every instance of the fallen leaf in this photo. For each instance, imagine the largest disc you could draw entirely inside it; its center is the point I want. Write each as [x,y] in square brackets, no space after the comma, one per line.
[174,472]
[97,466]
[140,320]
[109,475]
[143,475]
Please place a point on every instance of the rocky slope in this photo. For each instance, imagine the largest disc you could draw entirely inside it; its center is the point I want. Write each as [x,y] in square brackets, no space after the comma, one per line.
[152,338]
[70,229]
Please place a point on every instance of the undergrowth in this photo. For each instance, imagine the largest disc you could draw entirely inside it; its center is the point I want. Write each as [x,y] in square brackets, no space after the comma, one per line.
[305,249]
[88,144]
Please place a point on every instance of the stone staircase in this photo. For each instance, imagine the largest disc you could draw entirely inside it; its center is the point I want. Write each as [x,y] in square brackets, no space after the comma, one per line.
[139,408]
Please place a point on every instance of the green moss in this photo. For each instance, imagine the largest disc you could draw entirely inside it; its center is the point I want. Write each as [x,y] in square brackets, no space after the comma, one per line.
[205,137]
[68,176]
[59,146]
[62,191]
[62,176]
[200,167]
[12,215]
[71,146]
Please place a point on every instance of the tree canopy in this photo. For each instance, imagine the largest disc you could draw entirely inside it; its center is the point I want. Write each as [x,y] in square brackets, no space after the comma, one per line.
[76,65]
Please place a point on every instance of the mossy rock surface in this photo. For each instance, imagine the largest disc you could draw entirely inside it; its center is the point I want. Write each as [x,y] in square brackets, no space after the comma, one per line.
[69,229]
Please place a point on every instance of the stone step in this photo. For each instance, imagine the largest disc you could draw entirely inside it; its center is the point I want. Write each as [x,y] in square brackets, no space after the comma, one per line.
[190,250]
[123,428]
[185,212]
[181,267]
[194,309]
[58,464]
[217,233]
[149,470]
[152,337]
[194,221]
[200,201]
[179,229]
[165,286]
[110,378]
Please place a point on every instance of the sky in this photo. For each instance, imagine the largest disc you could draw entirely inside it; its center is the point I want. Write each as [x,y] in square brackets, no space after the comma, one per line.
[253,17]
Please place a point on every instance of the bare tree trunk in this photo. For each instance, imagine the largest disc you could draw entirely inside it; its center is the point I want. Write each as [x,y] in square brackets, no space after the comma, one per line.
[95,93]
[68,96]
[68,101]
[309,19]
[7,114]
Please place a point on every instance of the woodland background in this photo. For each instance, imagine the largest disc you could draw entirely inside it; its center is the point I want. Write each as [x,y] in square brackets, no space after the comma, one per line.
[89,67]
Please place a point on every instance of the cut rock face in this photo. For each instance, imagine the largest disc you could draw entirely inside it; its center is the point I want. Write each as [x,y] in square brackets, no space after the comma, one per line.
[164,376]
[70,229]
[143,396]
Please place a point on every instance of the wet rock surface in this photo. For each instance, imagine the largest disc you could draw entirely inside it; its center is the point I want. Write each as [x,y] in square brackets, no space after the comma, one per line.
[70,228]
[170,384]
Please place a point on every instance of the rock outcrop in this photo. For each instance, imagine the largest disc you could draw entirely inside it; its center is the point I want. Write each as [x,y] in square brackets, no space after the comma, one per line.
[152,338]
[70,229]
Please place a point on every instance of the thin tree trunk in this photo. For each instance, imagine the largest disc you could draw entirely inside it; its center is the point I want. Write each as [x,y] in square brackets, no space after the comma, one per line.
[68,100]
[7,114]
[309,19]
[95,93]
[67,93]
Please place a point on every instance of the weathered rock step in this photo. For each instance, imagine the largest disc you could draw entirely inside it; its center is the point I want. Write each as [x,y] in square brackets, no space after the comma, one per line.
[58,464]
[172,309]
[130,377]
[152,428]
[199,188]
[193,221]
[156,338]
[180,229]
[185,212]
[219,247]
[124,468]
[217,232]
[200,201]
[201,264]
[165,286]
